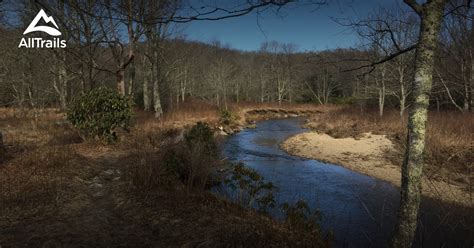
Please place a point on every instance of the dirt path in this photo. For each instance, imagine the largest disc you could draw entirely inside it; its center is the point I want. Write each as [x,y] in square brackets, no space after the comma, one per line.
[367,155]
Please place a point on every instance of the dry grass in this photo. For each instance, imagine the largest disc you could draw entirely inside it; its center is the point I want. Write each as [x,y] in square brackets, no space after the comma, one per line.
[24,130]
[37,181]
[449,144]
[48,195]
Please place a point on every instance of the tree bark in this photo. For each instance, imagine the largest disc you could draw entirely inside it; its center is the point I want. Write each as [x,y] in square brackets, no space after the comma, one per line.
[402,96]
[62,90]
[131,80]
[146,85]
[431,16]
[120,75]
[156,88]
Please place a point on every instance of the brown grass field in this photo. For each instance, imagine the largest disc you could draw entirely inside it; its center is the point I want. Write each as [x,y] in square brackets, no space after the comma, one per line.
[57,189]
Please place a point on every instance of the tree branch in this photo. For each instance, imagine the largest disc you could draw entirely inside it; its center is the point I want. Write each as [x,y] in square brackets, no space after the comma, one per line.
[383,60]
[414,5]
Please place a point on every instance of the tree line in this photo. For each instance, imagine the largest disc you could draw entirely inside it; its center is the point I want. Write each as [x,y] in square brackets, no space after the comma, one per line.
[119,43]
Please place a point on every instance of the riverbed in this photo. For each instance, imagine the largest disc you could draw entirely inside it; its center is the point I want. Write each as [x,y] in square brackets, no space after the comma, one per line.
[358,209]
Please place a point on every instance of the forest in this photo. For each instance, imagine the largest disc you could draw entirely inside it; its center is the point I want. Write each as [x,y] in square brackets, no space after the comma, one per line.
[117,129]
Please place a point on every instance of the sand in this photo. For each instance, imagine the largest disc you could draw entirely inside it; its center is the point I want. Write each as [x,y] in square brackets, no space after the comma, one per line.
[368,155]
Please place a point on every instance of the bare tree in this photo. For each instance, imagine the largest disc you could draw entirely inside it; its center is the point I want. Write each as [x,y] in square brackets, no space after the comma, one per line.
[457,48]
[431,14]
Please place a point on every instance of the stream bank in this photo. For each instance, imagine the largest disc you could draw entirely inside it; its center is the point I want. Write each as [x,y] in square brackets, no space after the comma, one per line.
[360,210]
[368,154]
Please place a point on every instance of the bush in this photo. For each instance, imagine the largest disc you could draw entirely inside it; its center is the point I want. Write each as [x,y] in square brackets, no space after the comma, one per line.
[299,217]
[228,117]
[99,112]
[201,137]
[193,159]
[251,188]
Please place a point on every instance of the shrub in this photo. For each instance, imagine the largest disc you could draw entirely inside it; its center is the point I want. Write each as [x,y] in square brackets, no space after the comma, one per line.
[201,137]
[251,188]
[99,112]
[193,159]
[299,217]
[174,159]
[227,117]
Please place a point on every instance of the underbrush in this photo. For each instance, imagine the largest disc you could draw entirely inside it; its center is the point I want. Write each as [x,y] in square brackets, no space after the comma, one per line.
[46,183]
[182,171]
[190,160]
[449,144]
[37,180]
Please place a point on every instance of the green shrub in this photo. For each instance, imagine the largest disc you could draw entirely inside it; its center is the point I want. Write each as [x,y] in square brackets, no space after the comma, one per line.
[228,117]
[201,137]
[174,159]
[193,159]
[99,112]
[251,188]
[300,217]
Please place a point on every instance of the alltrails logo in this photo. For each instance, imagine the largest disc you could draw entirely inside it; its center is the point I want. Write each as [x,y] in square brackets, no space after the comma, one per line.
[40,42]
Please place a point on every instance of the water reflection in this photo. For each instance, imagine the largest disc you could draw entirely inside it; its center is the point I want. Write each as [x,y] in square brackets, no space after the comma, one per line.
[359,209]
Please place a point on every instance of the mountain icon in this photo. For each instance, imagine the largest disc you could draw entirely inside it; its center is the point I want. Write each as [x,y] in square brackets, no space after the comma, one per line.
[47,19]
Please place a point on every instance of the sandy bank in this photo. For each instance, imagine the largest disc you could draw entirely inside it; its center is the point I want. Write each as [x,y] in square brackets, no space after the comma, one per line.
[367,155]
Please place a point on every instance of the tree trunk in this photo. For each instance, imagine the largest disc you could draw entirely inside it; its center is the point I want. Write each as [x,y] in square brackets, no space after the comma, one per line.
[402,107]
[431,16]
[381,99]
[381,91]
[120,74]
[466,106]
[156,90]
[62,88]
[402,94]
[438,105]
[184,84]
[131,80]
[147,74]
[157,100]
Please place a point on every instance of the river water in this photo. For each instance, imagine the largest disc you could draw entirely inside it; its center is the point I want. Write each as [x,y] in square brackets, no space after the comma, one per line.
[358,209]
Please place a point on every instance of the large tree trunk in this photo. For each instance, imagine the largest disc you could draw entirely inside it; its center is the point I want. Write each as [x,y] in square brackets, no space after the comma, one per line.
[431,16]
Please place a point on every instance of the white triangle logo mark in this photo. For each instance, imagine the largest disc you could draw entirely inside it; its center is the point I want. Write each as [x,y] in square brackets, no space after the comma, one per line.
[49,30]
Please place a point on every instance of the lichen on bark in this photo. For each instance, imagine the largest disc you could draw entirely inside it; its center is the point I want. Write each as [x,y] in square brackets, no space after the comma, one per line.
[431,14]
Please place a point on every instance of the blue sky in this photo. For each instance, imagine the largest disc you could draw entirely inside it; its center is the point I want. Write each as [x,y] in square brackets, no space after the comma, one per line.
[307,27]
